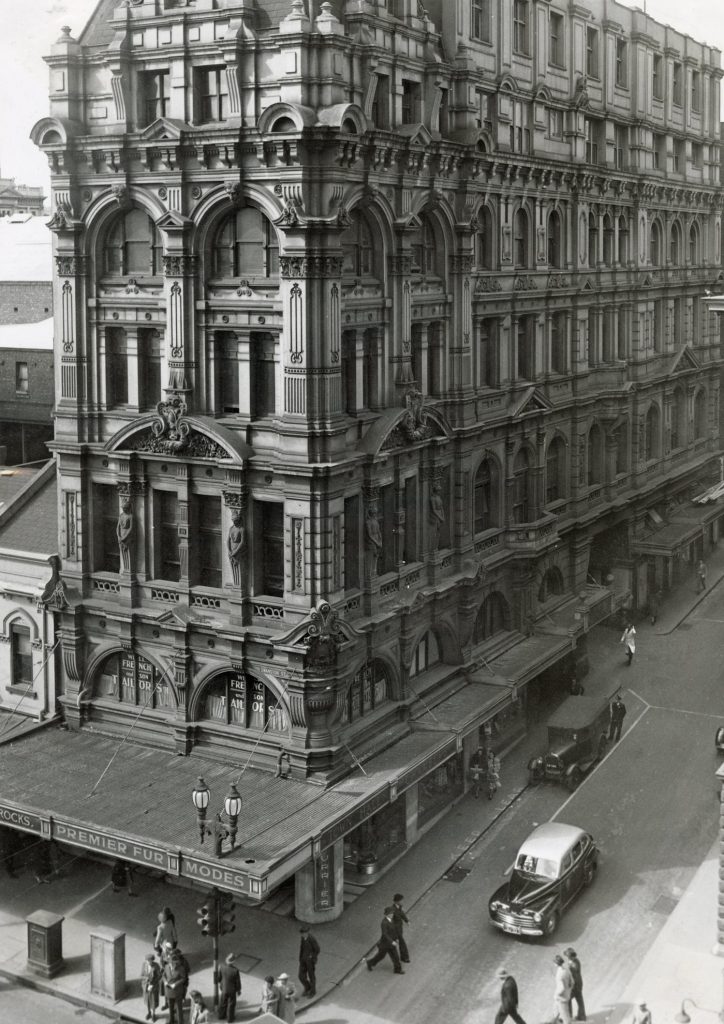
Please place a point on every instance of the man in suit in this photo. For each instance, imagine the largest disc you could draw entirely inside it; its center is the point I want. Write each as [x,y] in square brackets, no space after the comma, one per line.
[574,966]
[308,953]
[400,919]
[508,999]
[387,944]
[229,988]
[618,713]
[563,990]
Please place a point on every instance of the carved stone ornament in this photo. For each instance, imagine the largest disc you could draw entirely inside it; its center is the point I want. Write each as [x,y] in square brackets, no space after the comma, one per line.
[289,217]
[121,195]
[68,265]
[323,636]
[179,265]
[343,217]
[63,217]
[54,595]
[233,191]
[414,426]
[171,434]
[313,264]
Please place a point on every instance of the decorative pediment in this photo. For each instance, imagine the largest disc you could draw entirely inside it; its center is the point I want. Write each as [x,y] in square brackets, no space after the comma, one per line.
[163,130]
[403,427]
[173,433]
[684,361]
[531,400]
[323,632]
[173,221]
[416,133]
[587,285]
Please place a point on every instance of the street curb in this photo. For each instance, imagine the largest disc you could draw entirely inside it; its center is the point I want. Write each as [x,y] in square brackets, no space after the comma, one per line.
[38,985]
[699,598]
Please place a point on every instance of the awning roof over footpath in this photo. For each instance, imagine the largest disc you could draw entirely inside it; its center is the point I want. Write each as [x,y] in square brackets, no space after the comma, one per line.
[683,528]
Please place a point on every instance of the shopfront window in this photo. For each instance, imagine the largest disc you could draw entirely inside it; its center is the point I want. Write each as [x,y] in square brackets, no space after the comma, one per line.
[131,679]
[438,789]
[235,698]
[367,692]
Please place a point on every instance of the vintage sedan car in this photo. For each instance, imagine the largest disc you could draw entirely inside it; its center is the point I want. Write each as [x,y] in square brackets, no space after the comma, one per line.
[577,741]
[552,866]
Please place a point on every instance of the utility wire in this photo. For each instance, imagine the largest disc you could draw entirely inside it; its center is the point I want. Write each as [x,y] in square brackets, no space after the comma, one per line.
[23,696]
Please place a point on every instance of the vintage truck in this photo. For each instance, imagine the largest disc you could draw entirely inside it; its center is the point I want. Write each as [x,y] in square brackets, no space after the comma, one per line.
[577,741]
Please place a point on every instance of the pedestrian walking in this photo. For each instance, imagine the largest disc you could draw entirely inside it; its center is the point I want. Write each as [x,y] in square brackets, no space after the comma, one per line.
[477,768]
[122,877]
[701,575]
[165,932]
[174,982]
[574,966]
[199,1010]
[629,641]
[508,999]
[229,988]
[286,1009]
[654,602]
[641,1014]
[618,713]
[493,774]
[387,944]
[562,991]
[308,954]
[269,996]
[182,964]
[150,985]
[400,919]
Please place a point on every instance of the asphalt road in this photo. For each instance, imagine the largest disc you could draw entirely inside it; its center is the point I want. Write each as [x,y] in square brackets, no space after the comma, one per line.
[652,806]
[30,1007]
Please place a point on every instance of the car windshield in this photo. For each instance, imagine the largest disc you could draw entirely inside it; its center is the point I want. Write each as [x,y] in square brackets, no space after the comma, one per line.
[537,866]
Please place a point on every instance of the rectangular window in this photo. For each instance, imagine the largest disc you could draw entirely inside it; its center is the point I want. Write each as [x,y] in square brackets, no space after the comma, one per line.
[489,352]
[227,371]
[106,557]
[697,158]
[555,123]
[659,152]
[270,531]
[381,103]
[22,656]
[658,77]
[620,146]
[351,542]
[155,93]
[520,26]
[676,90]
[411,545]
[387,509]
[443,119]
[480,28]
[556,40]
[149,367]
[525,337]
[621,63]
[168,558]
[591,52]
[262,367]
[208,511]
[481,111]
[21,378]
[411,102]
[519,131]
[679,156]
[695,91]
[212,93]
[591,141]
[116,367]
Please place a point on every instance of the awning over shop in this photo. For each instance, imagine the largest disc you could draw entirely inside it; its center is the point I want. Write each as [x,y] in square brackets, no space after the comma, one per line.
[525,659]
[672,536]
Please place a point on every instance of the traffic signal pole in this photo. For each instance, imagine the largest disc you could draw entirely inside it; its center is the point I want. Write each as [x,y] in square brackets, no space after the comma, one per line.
[216,970]
[216,917]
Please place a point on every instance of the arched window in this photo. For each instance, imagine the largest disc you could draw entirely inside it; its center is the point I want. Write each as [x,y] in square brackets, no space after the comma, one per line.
[694,244]
[551,585]
[678,419]
[357,248]
[652,433]
[675,244]
[485,248]
[283,124]
[522,488]
[131,679]
[595,455]
[555,250]
[556,470]
[234,698]
[493,617]
[369,689]
[622,240]
[426,248]
[132,246]
[700,415]
[486,498]
[520,239]
[427,654]
[592,241]
[655,244]
[245,245]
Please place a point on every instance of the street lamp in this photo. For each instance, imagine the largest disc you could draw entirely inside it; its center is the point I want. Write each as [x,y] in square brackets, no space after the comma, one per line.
[682,1017]
[201,797]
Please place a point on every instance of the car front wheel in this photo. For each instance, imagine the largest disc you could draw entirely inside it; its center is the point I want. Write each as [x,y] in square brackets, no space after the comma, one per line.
[589,872]
[552,923]
[574,779]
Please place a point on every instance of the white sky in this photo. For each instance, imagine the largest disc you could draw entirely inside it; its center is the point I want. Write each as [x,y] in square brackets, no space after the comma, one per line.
[30,27]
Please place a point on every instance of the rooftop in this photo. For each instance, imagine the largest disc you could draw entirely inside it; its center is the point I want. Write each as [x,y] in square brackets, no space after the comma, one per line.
[25,249]
[37,335]
[32,490]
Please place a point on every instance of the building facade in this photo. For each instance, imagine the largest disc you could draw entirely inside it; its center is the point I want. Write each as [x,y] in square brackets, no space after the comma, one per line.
[16,199]
[381,365]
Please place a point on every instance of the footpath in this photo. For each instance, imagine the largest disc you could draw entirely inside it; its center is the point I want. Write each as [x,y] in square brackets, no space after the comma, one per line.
[680,962]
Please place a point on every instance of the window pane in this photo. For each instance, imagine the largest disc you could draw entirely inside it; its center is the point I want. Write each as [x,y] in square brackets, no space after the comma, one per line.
[169,562]
[272,549]
[209,523]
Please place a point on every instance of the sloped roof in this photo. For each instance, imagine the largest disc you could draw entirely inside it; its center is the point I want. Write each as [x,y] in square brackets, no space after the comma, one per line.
[26,249]
[38,335]
[35,528]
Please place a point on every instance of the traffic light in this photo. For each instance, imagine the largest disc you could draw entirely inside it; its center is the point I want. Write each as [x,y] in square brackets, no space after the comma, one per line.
[227,916]
[207,919]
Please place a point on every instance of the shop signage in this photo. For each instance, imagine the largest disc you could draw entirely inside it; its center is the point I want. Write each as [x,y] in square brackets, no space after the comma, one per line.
[354,818]
[214,874]
[324,880]
[20,819]
[116,846]
[430,763]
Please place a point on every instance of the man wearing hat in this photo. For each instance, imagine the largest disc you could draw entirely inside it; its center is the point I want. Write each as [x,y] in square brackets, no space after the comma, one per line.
[508,999]
[308,953]
[229,988]
[150,985]
[563,990]
[387,944]
[574,966]
[400,919]
[642,1014]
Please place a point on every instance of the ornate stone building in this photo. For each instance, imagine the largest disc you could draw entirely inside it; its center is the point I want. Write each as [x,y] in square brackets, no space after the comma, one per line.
[381,368]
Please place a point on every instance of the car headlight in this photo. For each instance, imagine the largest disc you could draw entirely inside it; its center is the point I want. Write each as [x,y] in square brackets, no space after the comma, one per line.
[537,917]
[496,905]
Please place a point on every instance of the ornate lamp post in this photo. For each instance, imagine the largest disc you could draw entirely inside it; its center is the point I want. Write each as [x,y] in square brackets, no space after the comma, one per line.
[201,797]
[232,806]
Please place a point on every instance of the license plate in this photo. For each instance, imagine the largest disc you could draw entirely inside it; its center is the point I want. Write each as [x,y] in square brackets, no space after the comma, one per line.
[512,928]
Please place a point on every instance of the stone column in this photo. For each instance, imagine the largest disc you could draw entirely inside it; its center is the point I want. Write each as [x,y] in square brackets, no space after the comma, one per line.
[319,886]
[132,361]
[400,339]
[460,350]
[71,369]
[179,270]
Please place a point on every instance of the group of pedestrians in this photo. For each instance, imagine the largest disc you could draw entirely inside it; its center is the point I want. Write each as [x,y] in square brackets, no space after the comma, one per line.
[392,939]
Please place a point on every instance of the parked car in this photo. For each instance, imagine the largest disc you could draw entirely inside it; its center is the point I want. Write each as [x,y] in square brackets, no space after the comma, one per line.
[577,741]
[719,740]
[552,866]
